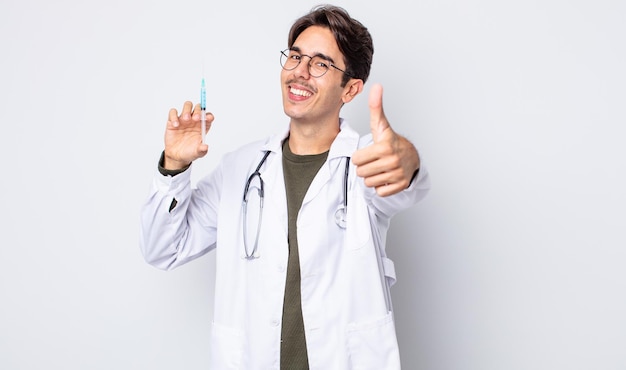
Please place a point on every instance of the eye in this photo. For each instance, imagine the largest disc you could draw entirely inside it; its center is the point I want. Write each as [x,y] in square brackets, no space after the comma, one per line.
[294,56]
[321,63]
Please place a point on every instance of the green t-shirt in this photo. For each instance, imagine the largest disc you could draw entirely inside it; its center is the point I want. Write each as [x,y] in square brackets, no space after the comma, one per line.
[299,171]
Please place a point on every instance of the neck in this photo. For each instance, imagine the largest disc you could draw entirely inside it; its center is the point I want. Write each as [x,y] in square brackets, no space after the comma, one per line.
[311,139]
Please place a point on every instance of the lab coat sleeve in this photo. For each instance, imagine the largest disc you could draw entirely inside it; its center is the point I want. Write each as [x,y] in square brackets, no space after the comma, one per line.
[178,223]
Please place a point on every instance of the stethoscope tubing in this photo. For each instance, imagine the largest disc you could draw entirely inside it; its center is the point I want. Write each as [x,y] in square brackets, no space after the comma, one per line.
[340,214]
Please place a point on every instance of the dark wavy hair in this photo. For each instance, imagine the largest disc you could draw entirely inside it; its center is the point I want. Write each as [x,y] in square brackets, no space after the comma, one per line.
[353,39]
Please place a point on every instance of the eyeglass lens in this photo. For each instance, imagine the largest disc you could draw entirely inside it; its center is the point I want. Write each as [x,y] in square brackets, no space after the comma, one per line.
[290,59]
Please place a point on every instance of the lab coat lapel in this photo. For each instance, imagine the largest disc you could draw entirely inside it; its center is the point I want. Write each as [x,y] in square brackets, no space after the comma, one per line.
[345,144]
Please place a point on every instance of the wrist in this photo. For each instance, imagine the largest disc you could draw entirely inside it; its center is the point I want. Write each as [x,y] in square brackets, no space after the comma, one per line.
[171,164]
[170,171]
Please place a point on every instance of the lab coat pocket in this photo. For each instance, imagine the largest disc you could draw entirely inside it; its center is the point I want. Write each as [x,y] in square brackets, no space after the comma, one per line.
[226,348]
[373,345]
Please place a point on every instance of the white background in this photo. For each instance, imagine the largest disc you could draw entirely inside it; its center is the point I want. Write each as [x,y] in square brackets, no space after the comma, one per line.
[515,260]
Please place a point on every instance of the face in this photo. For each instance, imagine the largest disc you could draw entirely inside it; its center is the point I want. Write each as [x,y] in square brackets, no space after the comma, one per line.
[308,99]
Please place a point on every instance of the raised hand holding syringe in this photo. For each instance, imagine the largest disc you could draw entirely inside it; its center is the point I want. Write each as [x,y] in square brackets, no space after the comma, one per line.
[181,136]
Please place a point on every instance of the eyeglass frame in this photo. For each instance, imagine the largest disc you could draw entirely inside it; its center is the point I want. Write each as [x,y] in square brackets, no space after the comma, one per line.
[330,63]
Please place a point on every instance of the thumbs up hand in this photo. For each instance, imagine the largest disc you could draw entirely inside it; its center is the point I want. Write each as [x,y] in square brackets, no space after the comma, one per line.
[389,164]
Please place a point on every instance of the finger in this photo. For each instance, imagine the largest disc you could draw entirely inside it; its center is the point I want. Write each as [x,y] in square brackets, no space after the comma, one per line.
[372,153]
[378,121]
[376,167]
[197,110]
[386,183]
[202,150]
[172,117]
[364,156]
[186,113]
[209,120]
[388,189]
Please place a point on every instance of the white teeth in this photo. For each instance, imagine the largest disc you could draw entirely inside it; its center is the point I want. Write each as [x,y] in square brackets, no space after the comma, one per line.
[300,92]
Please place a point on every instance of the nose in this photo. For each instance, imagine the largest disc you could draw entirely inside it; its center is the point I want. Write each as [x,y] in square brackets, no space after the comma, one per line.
[303,69]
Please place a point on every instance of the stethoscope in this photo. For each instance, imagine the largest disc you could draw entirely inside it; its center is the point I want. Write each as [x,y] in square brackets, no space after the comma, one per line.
[340,213]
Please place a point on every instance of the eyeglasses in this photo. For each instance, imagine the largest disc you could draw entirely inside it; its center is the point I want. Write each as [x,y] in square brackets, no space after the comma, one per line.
[318,65]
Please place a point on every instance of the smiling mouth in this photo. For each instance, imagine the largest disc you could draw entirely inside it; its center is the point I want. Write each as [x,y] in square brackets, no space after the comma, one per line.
[299,92]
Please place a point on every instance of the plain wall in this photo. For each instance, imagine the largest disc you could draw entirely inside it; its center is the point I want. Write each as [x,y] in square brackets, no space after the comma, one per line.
[515,260]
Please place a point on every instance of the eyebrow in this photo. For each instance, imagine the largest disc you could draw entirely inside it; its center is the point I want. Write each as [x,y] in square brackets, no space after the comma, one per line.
[323,56]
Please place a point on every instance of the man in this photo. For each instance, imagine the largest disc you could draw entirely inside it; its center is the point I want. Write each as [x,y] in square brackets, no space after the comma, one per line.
[302,279]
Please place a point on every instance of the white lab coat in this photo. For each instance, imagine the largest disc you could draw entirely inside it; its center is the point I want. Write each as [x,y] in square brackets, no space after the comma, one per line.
[345,274]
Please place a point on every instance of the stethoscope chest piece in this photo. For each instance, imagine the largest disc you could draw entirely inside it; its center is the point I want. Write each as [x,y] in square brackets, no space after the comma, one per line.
[340,216]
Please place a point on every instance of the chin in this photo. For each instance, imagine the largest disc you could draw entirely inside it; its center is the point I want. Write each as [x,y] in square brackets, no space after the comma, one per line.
[291,111]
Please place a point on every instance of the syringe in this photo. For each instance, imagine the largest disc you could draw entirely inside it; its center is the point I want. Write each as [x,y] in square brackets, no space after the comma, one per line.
[203,108]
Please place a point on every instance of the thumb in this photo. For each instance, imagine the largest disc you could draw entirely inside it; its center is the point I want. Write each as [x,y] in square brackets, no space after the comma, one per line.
[378,121]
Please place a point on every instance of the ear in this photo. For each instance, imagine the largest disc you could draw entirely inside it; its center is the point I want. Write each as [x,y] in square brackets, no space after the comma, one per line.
[352,89]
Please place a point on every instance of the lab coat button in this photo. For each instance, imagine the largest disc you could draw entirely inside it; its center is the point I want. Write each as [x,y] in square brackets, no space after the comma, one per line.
[281,268]
[275,322]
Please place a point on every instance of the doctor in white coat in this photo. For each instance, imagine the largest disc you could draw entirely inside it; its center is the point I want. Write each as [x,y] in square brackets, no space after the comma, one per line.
[298,221]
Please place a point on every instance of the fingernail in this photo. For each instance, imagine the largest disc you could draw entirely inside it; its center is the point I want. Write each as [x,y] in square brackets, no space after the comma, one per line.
[175,123]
